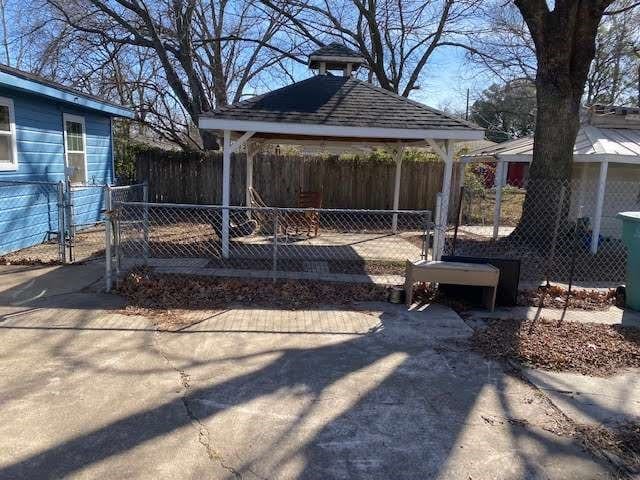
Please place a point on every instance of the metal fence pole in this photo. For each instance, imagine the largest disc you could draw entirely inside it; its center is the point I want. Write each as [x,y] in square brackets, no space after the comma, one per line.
[145,218]
[107,249]
[62,250]
[115,225]
[425,236]
[70,221]
[276,227]
[554,239]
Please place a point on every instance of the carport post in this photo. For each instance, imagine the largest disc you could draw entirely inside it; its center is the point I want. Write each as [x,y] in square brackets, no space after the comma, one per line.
[397,154]
[597,217]
[499,183]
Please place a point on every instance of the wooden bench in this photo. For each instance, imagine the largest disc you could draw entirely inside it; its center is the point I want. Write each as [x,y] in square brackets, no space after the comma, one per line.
[472,274]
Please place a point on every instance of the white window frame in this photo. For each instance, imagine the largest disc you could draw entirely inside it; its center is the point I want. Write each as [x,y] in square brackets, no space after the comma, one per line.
[13,164]
[68,117]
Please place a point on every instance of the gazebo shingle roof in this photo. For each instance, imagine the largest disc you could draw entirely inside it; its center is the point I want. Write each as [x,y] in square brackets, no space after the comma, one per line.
[340,101]
[335,50]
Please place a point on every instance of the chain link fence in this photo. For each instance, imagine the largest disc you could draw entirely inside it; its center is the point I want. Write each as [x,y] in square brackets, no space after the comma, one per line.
[554,227]
[269,242]
[54,222]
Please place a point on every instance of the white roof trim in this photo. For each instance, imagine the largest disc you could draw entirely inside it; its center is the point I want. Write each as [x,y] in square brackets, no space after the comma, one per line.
[208,123]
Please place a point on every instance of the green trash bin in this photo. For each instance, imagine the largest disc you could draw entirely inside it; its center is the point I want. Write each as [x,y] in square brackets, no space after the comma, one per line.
[631,239]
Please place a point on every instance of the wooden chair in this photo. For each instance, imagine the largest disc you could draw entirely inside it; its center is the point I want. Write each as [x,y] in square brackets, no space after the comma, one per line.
[304,221]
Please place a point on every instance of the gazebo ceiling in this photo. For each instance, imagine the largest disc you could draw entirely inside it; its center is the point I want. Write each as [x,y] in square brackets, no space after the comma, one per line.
[338,109]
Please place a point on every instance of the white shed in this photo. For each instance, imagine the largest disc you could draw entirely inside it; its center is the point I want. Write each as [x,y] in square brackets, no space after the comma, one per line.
[606,156]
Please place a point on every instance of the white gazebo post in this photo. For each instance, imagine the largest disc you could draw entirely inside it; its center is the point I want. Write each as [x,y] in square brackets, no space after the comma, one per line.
[597,217]
[445,151]
[397,153]
[252,150]
[228,148]
[499,182]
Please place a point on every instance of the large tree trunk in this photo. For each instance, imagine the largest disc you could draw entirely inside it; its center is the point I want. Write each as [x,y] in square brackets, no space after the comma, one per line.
[548,190]
[565,47]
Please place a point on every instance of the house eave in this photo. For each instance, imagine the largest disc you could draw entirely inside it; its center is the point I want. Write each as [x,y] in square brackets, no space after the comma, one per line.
[30,86]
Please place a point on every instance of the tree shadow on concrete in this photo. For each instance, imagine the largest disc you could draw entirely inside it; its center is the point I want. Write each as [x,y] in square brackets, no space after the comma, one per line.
[393,403]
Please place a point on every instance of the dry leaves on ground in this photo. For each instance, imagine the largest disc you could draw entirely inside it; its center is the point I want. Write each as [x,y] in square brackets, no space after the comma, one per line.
[556,297]
[145,289]
[622,441]
[587,348]
[28,261]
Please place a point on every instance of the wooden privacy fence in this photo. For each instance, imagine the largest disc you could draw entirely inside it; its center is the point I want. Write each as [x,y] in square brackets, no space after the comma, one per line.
[191,177]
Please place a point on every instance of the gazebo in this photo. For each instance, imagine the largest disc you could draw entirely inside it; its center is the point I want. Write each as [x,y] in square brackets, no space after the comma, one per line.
[606,154]
[336,111]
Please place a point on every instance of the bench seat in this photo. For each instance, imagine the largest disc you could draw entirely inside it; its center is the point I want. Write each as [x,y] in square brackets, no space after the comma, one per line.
[456,273]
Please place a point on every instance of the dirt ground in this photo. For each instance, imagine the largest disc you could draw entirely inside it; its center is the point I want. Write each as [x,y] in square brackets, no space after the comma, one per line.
[88,245]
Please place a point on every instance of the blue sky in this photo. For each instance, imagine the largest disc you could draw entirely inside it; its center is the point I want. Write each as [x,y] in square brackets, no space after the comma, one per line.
[446,78]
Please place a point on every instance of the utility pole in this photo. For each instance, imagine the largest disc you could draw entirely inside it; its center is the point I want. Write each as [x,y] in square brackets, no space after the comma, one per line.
[466,116]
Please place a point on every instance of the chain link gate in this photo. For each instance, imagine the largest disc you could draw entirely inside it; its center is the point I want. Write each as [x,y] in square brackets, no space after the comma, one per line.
[56,222]
[86,215]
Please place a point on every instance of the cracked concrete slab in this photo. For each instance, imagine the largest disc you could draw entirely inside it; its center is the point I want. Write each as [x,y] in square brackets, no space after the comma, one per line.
[371,392]
[406,400]
[592,400]
[84,392]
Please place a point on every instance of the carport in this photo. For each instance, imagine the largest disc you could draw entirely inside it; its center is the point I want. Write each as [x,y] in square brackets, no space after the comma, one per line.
[336,111]
[606,150]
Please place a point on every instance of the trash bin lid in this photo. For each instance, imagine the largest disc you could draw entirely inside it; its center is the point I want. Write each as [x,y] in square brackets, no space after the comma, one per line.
[629,216]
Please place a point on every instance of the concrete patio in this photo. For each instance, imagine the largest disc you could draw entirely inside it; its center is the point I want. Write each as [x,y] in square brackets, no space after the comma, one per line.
[370,391]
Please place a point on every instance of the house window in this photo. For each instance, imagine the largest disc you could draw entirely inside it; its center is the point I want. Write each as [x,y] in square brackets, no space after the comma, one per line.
[8,153]
[75,148]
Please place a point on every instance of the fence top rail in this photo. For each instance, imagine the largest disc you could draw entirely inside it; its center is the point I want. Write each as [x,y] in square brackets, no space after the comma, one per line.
[274,209]
[125,187]
[26,182]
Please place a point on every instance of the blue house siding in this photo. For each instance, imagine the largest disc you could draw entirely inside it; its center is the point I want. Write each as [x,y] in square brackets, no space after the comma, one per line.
[28,213]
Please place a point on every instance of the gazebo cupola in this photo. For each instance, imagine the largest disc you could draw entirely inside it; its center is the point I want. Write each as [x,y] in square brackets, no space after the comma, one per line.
[335,56]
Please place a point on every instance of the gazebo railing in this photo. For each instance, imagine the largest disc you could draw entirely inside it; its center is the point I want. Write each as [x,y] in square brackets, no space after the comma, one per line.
[329,244]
